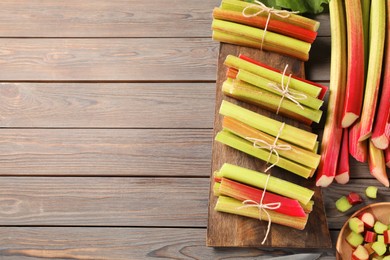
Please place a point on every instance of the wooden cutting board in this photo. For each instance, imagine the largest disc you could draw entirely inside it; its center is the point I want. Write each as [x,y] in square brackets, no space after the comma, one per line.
[227,230]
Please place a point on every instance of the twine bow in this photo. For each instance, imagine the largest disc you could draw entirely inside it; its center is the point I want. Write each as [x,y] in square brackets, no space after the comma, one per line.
[263,207]
[260,7]
[286,92]
[273,148]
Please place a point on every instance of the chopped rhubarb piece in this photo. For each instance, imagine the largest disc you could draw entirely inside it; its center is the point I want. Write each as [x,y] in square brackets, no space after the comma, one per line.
[356,225]
[368,219]
[380,238]
[354,198]
[354,239]
[342,204]
[371,192]
[370,236]
[368,247]
[379,227]
[360,253]
[379,248]
[386,236]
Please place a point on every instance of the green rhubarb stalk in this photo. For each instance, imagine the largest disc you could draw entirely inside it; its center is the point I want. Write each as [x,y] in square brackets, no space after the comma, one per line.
[238,143]
[233,206]
[377,164]
[377,43]
[249,93]
[244,192]
[270,126]
[296,154]
[302,86]
[286,45]
[258,179]
[301,21]
[266,84]
[366,23]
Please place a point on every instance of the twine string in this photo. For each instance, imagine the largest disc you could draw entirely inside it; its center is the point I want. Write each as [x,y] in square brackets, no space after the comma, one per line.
[285,92]
[273,148]
[270,10]
[263,208]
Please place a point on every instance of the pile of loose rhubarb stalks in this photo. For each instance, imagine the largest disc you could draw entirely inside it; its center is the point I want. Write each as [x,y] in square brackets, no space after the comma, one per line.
[357,121]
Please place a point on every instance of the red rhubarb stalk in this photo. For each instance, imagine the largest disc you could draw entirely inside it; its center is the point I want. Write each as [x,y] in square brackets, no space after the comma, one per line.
[342,173]
[331,140]
[244,192]
[376,163]
[377,42]
[357,150]
[231,73]
[379,137]
[355,72]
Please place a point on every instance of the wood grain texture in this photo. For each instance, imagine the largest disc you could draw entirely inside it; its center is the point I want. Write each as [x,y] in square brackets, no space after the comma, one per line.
[108,152]
[124,59]
[136,201]
[103,201]
[141,105]
[24,243]
[99,18]
[226,230]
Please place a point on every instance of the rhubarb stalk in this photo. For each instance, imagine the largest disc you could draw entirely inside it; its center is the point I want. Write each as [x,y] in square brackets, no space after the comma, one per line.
[379,137]
[342,173]
[355,72]
[377,41]
[357,150]
[331,140]
[377,165]
[387,157]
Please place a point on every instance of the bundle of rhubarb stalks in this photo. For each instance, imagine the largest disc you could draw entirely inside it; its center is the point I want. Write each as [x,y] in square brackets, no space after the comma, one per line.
[294,149]
[255,25]
[358,121]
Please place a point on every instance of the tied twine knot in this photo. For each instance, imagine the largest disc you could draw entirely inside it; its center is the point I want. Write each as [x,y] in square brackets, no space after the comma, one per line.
[273,148]
[263,208]
[261,8]
[285,92]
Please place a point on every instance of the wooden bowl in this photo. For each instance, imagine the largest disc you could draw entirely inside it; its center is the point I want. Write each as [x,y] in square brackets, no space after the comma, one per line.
[381,212]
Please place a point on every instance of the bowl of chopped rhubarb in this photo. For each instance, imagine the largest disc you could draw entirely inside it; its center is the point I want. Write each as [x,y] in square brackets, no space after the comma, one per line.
[366,234]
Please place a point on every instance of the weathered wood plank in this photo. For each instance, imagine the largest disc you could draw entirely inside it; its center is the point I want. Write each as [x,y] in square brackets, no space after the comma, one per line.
[121,243]
[118,152]
[99,18]
[118,18]
[103,201]
[137,201]
[125,59]
[93,152]
[143,105]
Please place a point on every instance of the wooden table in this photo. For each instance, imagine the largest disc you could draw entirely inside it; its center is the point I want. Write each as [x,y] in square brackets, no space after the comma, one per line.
[106,114]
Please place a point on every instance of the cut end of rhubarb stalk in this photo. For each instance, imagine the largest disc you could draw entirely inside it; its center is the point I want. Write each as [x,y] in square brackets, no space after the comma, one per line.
[380,142]
[378,174]
[342,178]
[324,181]
[348,119]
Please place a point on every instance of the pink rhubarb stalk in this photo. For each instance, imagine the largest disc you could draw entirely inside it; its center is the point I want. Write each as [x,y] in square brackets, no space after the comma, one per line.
[342,173]
[377,42]
[355,71]
[376,163]
[331,140]
[379,137]
[387,157]
[357,150]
